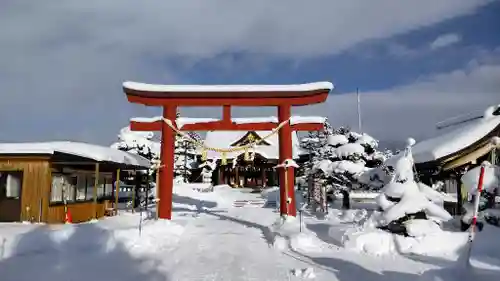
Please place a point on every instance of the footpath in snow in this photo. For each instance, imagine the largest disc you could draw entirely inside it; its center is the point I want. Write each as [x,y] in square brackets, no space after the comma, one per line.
[209,239]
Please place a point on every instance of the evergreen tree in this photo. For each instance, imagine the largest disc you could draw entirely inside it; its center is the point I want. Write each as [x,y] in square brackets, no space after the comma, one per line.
[184,159]
[339,158]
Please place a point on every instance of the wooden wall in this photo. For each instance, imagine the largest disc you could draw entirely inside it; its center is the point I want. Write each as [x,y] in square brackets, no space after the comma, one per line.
[35,186]
[35,193]
[80,212]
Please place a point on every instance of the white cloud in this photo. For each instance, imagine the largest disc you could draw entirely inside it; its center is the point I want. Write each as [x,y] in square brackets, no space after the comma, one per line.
[68,57]
[445,40]
[414,109]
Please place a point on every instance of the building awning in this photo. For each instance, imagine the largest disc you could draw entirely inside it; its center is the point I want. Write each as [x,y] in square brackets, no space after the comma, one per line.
[470,157]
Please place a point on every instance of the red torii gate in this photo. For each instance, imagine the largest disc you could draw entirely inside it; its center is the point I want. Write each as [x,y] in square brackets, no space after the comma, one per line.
[170,97]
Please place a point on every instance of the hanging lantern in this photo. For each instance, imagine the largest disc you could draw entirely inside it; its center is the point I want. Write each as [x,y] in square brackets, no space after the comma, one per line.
[223,160]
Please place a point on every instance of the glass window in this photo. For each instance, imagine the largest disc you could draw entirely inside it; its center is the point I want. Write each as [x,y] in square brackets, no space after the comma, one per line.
[56,189]
[11,184]
[70,188]
[100,187]
[108,187]
[90,187]
[63,187]
[81,188]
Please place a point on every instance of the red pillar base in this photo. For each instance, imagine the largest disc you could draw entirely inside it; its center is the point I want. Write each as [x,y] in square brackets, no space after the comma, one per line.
[166,186]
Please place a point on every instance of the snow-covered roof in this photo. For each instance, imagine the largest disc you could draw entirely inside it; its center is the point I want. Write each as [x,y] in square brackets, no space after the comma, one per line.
[90,151]
[227,88]
[224,139]
[181,121]
[458,139]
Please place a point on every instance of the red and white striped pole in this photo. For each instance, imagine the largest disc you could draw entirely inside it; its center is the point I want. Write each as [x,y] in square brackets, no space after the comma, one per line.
[476,202]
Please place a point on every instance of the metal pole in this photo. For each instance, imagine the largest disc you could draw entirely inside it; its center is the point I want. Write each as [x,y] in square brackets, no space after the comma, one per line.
[300,220]
[96,184]
[117,189]
[140,220]
[359,110]
[185,161]
[148,187]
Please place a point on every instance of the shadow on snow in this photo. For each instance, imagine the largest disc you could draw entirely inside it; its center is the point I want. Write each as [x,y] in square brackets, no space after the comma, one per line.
[77,253]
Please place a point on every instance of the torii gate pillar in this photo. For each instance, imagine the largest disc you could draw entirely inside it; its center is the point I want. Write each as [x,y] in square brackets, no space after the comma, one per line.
[286,152]
[165,188]
[172,96]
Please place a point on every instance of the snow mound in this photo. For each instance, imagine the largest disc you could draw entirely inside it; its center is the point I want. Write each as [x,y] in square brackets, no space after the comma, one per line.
[156,236]
[427,239]
[63,234]
[188,196]
[287,235]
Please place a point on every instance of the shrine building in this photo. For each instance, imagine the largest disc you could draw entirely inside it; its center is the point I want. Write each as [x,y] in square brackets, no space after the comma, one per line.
[255,171]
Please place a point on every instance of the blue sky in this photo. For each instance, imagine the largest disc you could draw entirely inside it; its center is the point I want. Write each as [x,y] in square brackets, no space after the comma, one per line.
[415,62]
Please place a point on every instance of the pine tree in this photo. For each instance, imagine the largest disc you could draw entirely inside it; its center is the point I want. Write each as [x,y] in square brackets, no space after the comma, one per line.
[340,157]
[184,158]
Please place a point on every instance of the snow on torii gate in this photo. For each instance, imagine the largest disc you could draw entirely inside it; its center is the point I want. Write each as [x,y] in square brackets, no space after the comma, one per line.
[172,96]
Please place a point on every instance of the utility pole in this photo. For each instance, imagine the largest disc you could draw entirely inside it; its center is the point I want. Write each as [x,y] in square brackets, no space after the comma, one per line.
[359,110]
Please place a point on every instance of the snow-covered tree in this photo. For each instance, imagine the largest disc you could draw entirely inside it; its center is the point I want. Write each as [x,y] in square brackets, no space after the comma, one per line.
[405,203]
[143,144]
[184,159]
[136,142]
[342,157]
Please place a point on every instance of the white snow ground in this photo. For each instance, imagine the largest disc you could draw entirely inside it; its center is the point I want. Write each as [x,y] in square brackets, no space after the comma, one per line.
[209,239]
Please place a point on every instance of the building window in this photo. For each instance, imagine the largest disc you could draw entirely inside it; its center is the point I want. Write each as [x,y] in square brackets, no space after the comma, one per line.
[105,189]
[79,187]
[90,188]
[108,187]
[11,184]
[63,188]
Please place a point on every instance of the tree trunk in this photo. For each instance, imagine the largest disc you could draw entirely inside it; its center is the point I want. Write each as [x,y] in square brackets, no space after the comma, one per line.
[346,202]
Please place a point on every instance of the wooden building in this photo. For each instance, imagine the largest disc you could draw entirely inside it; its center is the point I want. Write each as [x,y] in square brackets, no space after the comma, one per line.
[37,180]
[447,157]
[255,172]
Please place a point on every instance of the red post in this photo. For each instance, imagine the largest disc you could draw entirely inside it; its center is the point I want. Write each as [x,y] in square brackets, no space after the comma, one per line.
[285,150]
[477,197]
[226,114]
[167,159]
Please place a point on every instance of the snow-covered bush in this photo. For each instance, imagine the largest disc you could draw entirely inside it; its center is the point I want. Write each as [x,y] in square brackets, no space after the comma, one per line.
[343,159]
[491,181]
[403,200]
[140,143]
[208,168]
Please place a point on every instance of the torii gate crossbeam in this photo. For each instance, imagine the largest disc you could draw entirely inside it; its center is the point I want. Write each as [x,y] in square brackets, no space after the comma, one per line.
[170,97]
